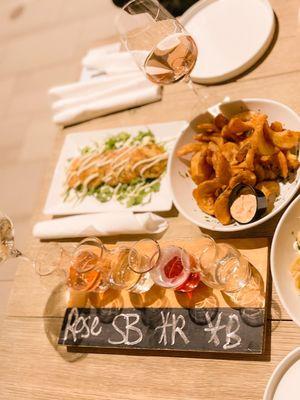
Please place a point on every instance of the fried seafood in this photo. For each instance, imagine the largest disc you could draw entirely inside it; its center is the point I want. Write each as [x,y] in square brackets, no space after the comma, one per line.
[117,166]
[245,149]
[124,167]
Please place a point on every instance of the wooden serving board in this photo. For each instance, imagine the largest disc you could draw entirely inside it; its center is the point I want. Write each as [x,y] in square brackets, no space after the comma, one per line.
[204,320]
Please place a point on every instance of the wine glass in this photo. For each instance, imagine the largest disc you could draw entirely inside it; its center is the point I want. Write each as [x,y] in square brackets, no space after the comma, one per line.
[159,44]
[170,266]
[123,277]
[7,240]
[223,267]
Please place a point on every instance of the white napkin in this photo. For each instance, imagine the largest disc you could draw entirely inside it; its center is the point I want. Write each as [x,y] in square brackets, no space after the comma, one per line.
[111,63]
[104,224]
[119,85]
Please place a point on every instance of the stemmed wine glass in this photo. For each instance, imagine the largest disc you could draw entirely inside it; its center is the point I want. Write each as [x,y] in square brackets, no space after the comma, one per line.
[43,266]
[159,44]
[7,240]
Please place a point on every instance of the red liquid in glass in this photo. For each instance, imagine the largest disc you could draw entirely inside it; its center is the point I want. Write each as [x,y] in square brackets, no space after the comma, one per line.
[190,284]
[174,268]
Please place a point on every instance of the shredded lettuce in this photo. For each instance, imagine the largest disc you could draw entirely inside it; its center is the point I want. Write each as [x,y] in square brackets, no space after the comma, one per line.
[115,142]
[134,193]
[143,137]
[86,150]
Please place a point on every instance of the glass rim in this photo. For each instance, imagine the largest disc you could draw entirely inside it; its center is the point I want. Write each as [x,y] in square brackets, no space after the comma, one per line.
[51,266]
[133,1]
[123,285]
[92,241]
[151,263]
[199,255]
[123,9]
[248,274]
[183,253]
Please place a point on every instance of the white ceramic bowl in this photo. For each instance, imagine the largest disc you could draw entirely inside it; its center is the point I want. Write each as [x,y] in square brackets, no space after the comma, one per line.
[282,255]
[182,186]
[289,386]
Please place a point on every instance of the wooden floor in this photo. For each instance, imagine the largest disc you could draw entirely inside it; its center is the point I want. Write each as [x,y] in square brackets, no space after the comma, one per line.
[41,45]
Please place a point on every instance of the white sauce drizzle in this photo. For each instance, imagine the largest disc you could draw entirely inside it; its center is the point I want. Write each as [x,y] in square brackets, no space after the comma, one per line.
[159,158]
[88,180]
[148,160]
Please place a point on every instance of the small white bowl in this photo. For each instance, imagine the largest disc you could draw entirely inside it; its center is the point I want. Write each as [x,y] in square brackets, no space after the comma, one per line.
[282,255]
[182,187]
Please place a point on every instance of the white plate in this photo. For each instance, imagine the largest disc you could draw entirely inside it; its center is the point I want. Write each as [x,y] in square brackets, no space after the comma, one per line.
[282,255]
[182,187]
[284,382]
[161,201]
[231,36]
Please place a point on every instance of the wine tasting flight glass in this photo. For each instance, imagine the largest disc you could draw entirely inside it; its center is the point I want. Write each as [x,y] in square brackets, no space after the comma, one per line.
[89,266]
[124,277]
[159,44]
[223,267]
[170,266]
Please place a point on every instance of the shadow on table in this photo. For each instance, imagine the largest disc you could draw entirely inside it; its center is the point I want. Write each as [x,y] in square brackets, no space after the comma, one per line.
[56,306]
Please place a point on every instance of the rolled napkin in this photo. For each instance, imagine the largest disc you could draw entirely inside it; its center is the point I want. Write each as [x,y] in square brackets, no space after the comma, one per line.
[101,224]
[112,82]
[112,63]
[102,96]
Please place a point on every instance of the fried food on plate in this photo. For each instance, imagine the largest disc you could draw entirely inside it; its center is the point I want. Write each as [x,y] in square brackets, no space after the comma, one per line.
[222,207]
[245,149]
[271,190]
[191,148]
[206,194]
[201,170]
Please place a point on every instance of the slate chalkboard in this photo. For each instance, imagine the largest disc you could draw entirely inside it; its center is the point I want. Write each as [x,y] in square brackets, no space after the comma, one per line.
[204,320]
[222,330]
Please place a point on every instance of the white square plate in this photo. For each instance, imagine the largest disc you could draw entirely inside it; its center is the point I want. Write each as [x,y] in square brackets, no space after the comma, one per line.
[160,201]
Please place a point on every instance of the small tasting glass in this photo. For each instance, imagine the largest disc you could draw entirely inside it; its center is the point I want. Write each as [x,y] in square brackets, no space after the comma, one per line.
[223,267]
[123,277]
[90,266]
[170,266]
[143,255]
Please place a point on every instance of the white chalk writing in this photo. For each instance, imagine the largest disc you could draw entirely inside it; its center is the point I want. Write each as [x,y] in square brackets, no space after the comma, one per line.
[214,329]
[175,328]
[74,327]
[129,327]
[231,334]
[94,327]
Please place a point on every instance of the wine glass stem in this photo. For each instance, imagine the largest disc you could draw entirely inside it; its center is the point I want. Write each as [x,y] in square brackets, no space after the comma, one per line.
[203,98]
[15,253]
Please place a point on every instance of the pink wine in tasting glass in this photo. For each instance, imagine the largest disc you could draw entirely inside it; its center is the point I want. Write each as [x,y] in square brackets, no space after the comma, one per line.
[175,267]
[172,59]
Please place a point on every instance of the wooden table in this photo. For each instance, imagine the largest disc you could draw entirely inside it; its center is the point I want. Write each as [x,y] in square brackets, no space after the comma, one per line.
[32,366]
